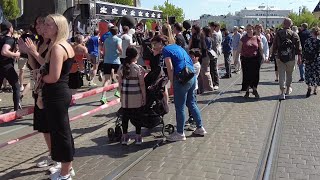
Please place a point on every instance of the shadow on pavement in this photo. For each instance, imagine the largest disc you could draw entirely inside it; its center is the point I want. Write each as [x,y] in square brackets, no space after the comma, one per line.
[102,146]
[19,173]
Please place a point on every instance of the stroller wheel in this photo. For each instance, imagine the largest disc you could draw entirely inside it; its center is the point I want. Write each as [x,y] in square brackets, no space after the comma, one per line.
[111,134]
[169,129]
[118,132]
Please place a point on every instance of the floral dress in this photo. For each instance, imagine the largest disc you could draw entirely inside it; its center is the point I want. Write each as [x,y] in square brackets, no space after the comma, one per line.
[311,52]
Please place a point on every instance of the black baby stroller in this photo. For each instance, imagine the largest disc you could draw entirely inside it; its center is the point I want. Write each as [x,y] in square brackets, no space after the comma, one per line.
[151,115]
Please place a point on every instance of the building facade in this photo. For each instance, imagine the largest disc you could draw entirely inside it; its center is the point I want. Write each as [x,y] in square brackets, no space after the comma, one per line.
[316,11]
[267,16]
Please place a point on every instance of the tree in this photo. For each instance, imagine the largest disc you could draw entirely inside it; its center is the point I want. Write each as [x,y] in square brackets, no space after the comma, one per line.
[123,2]
[169,9]
[305,17]
[10,9]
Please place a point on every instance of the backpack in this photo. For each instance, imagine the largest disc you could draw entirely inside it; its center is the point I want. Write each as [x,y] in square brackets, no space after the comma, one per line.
[285,51]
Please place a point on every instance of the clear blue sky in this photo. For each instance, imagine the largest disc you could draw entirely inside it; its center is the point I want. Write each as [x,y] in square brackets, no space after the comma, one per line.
[193,9]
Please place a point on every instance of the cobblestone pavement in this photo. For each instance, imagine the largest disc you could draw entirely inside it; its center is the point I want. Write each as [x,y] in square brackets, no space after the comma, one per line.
[237,132]
[95,157]
[233,149]
[298,150]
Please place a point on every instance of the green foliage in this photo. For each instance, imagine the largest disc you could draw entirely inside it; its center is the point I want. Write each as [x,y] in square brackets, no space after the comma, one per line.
[169,9]
[10,8]
[223,24]
[123,2]
[305,17]
[149,23]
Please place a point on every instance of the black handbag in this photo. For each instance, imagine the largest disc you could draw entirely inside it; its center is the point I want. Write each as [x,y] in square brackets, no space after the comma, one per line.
[185,74]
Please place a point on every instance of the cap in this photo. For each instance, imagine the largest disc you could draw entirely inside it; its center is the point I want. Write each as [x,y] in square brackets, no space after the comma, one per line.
[5,26]
[242,27]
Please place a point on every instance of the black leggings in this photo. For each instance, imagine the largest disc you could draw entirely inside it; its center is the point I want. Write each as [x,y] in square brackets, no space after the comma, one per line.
[128,114]
[10,74]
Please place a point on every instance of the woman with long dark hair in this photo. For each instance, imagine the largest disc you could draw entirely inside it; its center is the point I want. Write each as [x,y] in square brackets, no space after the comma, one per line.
[36,53]
[250,47]
[205,79]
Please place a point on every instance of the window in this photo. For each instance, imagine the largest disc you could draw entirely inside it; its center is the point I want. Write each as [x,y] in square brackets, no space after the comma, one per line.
[272,22]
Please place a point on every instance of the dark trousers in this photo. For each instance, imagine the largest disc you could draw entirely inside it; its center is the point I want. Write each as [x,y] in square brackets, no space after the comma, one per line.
[128,114]
[251,72]
[227,63]
[10,74]
[214,71]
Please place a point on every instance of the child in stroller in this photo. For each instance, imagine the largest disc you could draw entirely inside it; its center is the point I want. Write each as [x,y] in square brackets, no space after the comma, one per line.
[151,114]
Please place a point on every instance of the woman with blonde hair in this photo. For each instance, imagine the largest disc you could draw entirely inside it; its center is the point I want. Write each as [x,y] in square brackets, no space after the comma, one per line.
[56,93]
[167,31]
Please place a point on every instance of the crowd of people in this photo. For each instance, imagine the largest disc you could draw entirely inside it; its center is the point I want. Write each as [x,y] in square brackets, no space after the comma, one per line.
[187,55]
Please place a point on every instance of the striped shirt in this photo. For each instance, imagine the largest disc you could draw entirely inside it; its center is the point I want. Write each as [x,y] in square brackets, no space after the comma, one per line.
[131,94]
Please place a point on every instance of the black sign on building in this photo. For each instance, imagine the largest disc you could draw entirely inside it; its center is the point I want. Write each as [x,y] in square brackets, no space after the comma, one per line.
[110,9]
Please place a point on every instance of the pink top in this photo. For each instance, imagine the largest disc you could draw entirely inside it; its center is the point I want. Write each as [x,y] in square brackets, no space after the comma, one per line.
[250,46]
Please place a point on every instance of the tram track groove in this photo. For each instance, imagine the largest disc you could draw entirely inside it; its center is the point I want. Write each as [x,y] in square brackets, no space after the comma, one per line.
[119,174]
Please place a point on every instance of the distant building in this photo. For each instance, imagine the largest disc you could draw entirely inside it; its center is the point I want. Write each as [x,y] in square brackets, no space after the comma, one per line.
[316,11]
[268,16]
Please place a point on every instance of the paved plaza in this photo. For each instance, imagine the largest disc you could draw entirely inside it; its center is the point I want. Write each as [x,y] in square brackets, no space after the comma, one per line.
[238,146]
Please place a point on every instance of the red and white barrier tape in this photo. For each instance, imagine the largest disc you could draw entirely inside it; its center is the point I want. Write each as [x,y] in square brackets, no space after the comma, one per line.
[104,106]
[29,110]
[94,91]
[16,114]
[109,104]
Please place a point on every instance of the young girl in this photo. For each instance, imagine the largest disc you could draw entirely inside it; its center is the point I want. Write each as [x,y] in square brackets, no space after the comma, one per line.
[133,92]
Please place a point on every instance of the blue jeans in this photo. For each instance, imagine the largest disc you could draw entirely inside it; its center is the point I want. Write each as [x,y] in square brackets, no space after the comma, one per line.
[301,70]
[184,95]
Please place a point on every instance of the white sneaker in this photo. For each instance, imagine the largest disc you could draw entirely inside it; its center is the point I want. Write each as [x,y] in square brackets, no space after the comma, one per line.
[45,162]
[200,131]
[92,84]
[57,176]
[57,168]
[176,137]
[289,91]
[215,87]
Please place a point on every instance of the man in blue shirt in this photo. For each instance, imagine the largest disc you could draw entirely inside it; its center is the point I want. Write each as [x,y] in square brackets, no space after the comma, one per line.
[112,47]
[93,50]
[107,34]
[226,50]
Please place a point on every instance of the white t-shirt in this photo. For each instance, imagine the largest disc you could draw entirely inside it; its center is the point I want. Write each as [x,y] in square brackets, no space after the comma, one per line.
[197,68]
[126,42]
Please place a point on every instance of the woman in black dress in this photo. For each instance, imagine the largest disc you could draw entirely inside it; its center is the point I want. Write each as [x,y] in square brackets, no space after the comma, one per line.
[36,53]
[56,92]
